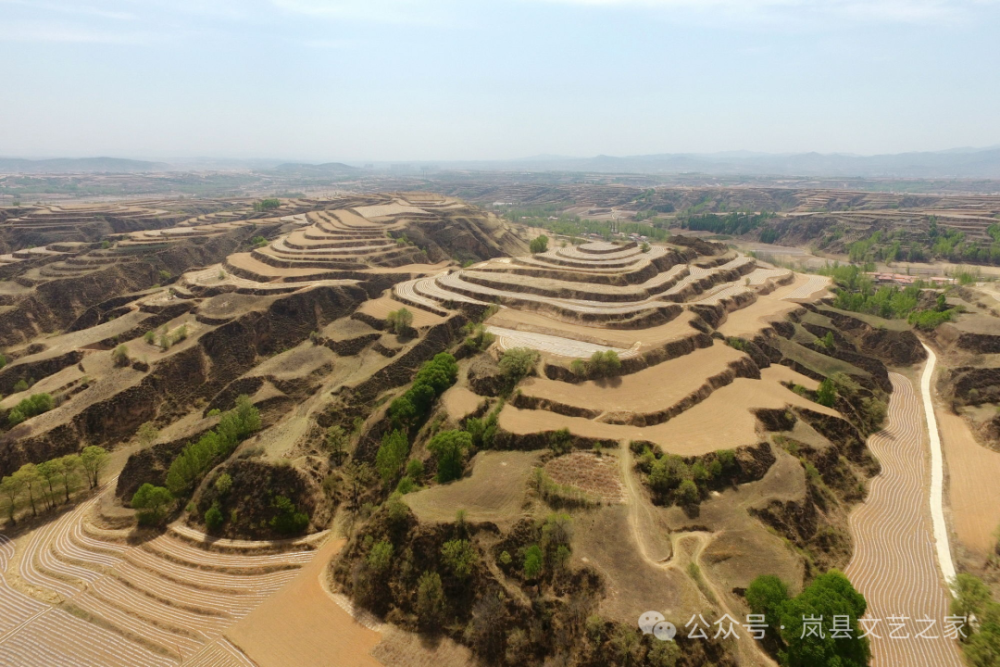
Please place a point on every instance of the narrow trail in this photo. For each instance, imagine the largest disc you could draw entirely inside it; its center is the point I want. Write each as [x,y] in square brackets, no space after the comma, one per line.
[749,651]
[894,564]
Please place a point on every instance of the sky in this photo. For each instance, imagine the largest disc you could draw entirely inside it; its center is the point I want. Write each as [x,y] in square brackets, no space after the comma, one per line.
[410,80]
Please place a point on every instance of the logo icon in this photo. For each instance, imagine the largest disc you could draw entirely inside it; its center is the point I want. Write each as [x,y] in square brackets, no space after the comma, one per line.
[653,623]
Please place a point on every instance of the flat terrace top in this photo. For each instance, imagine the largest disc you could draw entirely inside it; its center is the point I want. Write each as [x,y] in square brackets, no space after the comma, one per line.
[387,210]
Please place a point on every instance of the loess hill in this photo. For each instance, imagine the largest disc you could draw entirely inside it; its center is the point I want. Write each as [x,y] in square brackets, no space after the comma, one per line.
[541,448]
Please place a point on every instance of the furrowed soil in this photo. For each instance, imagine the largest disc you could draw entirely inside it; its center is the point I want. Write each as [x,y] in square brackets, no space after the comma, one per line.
[302,625]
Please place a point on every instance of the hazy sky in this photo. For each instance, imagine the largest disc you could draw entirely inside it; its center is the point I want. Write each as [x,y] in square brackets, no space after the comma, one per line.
[360,80]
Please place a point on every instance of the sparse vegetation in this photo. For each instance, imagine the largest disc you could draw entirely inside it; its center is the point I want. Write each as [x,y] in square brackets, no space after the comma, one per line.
[399,321]
[32,406]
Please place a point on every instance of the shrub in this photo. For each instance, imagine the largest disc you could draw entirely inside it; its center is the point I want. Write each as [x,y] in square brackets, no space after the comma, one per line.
[224,483]
[120,356]
[257,242]
[539,244]
[149,337]
[415,469]
[450,447]
[518,363]
[644,247]
[29,407]
[561,441]
[21,385]
[604,364]
[399,321]
[479,338]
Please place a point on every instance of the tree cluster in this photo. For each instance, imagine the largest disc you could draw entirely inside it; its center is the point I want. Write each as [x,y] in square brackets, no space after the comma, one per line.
[196,458]
[51,482]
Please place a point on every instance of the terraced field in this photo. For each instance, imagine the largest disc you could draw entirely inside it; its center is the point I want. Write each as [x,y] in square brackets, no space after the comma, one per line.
[165,601]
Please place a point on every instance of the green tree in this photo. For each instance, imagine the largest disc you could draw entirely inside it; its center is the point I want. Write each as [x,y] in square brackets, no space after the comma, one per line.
[71,465]
[379,559]
[829,595]
[224,483]
[460,557]
[93,459]
[539,244]
[765,595]
[970,596]
[534,561]
[11,488]
[288,520]
[28,473]
[827,393]
[147,434]
[687,493]
[152,503]
[450,447]
[48,471]
[391,456]
[336,442]
[214,518]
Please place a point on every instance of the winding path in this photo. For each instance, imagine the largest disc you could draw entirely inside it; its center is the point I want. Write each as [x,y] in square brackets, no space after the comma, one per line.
[895,562]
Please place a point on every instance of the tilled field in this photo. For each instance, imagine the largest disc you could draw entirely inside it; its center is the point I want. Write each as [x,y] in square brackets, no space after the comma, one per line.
[894,564]
[166,601]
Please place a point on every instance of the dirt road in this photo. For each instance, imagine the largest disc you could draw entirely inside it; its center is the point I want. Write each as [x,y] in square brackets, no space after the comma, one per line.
[895,563]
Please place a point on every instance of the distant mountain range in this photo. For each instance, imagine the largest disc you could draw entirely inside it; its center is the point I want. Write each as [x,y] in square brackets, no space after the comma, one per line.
[962,163]
[957,163]
[90,165]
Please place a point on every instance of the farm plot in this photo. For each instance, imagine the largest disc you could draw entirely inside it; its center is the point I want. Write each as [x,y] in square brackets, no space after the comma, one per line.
[694,432]
[597,475]
[811,289]
[381,307]
[556,345]
[494,492]
[631,394]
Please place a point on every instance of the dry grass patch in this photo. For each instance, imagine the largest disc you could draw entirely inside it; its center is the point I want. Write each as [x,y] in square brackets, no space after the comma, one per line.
[494,492]
[973,491]
[406,649]
[460,402]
